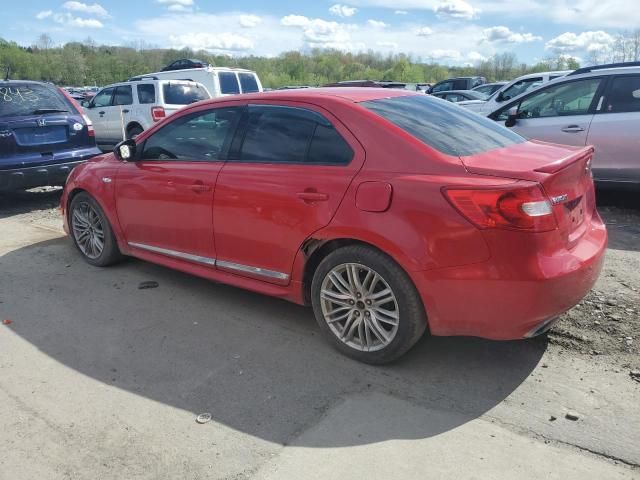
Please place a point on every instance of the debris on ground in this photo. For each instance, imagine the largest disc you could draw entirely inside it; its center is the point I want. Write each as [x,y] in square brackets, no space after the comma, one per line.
[573,416]
[635,375]
[6,321]
[148,284]
[203,418]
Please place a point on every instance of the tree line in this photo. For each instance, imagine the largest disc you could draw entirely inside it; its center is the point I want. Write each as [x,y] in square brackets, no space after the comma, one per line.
[86,63]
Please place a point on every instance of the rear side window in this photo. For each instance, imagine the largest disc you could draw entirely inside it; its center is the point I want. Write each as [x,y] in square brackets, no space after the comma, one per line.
[520,87]
[26,99]
[146,93]
[460,85]
[248,82]
[228,82]
[623,95]
[183,93]
[441,87]
[277,134]
[123,95]
[447,128]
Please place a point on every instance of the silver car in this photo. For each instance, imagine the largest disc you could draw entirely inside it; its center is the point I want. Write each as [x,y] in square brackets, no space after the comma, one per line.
[597,106]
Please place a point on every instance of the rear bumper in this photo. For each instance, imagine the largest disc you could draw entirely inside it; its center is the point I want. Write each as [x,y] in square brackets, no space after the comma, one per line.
[498,301]
[41,175]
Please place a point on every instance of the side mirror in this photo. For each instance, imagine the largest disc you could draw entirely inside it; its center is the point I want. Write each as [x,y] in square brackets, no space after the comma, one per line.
[85,103]
[125,150]
[512,117]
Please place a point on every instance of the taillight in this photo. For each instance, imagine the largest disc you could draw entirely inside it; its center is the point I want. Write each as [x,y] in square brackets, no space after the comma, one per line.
[90,131]
[522,206]
[157,113]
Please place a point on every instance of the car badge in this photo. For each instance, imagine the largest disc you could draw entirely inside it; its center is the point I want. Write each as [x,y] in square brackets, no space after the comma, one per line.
[559,199]
[41,122]
[77,126]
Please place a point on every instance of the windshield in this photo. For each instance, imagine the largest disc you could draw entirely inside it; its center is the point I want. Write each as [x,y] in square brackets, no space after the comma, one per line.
[183,93]
[30,99]
[444,126]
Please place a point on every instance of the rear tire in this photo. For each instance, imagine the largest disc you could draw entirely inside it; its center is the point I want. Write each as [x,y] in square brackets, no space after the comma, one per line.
[133,131]
[91,232]
[366,305]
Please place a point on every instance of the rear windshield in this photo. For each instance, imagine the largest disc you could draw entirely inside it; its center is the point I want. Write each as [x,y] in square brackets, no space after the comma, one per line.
[248,83]
[228,82]
[444,126]
[31,99]
[183,93]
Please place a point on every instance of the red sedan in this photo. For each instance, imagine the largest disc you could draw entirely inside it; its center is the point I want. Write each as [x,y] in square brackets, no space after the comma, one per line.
[389,212]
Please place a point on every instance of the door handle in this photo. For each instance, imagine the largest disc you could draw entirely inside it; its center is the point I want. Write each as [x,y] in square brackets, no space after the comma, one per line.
[313,196]
[126,110]
[102,112]
[200,187]
[573,129]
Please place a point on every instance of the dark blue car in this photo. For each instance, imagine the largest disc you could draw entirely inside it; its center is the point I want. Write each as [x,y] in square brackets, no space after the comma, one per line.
[43,135]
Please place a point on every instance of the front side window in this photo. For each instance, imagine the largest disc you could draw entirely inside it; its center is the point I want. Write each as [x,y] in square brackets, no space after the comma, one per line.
[248,82]
[571,98]
[276,134]
[123,95]
[520,87]
[447,128]
[103,98]
[198,137]
[623,95]
[228,83]
[146,93]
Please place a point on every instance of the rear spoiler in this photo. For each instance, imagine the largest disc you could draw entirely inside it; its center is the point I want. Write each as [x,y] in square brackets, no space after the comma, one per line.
[566,161]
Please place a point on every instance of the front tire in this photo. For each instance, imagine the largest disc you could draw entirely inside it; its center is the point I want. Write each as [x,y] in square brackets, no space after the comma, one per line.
[91,231]
[366,305]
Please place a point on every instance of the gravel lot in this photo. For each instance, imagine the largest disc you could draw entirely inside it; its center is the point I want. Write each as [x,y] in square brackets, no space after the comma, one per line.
[99,379]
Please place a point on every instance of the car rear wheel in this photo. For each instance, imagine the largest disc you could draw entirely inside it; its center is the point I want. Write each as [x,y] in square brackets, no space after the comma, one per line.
[366,305]
[91,231]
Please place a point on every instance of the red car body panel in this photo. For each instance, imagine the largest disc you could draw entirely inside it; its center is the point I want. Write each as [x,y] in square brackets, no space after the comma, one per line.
[492,283]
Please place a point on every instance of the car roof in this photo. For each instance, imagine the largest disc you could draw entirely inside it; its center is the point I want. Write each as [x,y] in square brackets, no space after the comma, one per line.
[349,94]
[28,82]
[456,91]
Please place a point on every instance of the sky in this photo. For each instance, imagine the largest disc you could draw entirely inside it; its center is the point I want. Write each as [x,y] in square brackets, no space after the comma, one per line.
[454,32]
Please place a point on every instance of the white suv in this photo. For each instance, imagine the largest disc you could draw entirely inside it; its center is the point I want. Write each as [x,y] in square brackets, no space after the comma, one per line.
[124,110]
[219,81]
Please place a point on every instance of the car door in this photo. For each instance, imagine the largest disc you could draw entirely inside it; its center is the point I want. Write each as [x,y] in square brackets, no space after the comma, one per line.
[289,167]
[123,110]
[559,113]
[164,199]
[100,112]
[615,131]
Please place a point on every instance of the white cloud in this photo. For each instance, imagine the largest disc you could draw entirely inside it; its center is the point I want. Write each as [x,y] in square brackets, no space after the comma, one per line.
[94,9]
[570,42]
[178,7]
[249,21]
[455,9]
[401,12]
[342,10]
[391,45]
[424,32]
[44,14]
[475,57]
[505,35]
[376,24]
[445,54]
[184,6]
[295,21]
[212,41]
[70,21]
[185,3]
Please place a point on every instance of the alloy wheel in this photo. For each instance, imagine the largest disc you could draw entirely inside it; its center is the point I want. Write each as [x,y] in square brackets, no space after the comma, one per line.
[88,230]
[359,307]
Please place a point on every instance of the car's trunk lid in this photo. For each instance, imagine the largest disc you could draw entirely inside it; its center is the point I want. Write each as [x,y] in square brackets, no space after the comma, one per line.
[564,173]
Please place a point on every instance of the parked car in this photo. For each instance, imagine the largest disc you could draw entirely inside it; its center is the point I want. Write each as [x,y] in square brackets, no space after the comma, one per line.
[385,210]
[185,63]
[457,83]
[372,84]
[219,81]
[43,135]
[126,109]
[597,106]
[456,96]
[489,88]
[513,89]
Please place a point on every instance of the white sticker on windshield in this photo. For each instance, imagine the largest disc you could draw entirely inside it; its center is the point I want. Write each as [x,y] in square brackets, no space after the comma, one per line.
[636,93]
